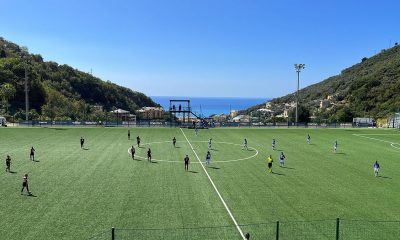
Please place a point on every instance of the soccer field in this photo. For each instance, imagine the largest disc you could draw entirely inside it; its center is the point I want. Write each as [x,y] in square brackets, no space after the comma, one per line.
[80,193]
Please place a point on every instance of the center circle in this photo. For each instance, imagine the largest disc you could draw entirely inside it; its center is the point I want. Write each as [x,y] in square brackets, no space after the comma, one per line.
[196,162]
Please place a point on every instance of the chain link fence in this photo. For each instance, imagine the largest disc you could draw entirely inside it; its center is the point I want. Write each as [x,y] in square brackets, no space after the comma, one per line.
[285,230]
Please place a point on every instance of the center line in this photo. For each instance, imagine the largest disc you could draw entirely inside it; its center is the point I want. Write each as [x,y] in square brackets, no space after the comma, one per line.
[215,188]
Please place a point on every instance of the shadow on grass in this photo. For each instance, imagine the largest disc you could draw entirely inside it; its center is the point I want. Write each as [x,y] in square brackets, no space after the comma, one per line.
[279,150]
[31,195]
[193,172]
[153,162]
[58,129]
[341,153]
[12,172]
[279,174]
[134,159]
[288,167]
[35,161]
[215,150]
[85,149]
[177,147]
[214,167]
[384,177]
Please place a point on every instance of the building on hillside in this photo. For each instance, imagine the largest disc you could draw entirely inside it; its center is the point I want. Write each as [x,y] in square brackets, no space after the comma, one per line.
[220,117]
[151,113]
[123,115]
[98,108]
[286,113]
[241,118]
[268,105]
[325,104]
[234,113]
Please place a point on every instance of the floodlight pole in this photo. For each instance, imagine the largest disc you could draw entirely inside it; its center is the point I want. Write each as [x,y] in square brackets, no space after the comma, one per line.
[298,68]
[26,94]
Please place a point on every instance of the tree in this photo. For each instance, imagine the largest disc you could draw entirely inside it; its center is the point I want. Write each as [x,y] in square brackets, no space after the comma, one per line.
[3,54]
[303,114]
[7,91]
[57,105]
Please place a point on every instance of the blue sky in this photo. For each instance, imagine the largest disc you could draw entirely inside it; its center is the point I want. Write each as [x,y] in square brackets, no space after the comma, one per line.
[207,47]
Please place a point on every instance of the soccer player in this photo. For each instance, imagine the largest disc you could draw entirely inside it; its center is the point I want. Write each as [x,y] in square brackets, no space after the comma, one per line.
[208,158]
[210,143]
[32,154]
[282,160]
[376,168]
[149,155]
[245,144]
[186,160]
[8,163]
[82,142]
[270,161]
[196,131]
[273,144]
[174,141]
[25,184]
[129,134]
[133,152]
[308,139]
[138,141]
[335,145]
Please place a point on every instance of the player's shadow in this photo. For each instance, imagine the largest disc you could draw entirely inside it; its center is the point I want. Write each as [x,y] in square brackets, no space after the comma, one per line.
[135,159]
[177,147]
[31,195]
[280,150]
[279,174]
[193,172]
[35,161]
[85,149]
[249,150]
[288,167]
[384,177]
[12,172]
[215,150]
[154,162]
[341,153]
[58,129]
[214,167]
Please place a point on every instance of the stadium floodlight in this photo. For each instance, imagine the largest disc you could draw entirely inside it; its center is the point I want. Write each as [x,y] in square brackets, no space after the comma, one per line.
[298,67]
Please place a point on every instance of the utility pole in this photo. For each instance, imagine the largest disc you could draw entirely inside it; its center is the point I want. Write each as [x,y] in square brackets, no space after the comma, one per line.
[298,68]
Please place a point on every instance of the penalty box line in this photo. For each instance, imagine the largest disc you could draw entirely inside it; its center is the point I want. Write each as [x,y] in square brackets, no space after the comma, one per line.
[215,188]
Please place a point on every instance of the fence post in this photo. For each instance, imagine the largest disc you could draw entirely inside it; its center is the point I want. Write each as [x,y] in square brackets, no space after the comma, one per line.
[112,233]
[337,228]
[277,230]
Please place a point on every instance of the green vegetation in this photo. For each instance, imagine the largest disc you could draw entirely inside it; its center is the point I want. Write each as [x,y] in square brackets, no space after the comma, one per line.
[81,193]
[58,91]
[370,88]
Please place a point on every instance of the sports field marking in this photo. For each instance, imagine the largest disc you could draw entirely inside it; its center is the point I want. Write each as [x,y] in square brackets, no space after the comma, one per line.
[223,161]
[392,144]
[215,188]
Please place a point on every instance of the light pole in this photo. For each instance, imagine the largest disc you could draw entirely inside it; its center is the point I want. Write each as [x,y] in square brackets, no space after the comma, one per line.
[298,67]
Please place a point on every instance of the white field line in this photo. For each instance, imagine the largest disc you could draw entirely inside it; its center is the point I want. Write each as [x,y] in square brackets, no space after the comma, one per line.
[392,144]
[215,188]
[171,161]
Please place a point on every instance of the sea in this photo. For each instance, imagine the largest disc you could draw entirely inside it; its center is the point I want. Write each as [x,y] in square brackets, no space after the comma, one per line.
[206,106]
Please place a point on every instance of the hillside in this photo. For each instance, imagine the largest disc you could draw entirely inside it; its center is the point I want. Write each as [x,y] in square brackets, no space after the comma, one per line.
[369,88]
[52,86]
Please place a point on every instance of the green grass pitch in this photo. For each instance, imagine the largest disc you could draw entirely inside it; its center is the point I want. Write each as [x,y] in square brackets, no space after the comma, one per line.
[80,193]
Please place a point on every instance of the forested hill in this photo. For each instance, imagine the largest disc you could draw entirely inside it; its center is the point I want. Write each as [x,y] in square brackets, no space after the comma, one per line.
[369,88]
[59,90]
